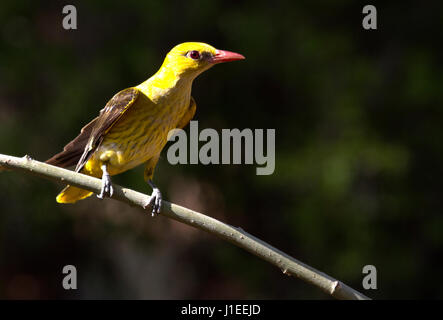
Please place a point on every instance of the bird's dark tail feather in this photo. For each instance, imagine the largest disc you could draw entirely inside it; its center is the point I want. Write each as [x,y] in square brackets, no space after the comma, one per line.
[73,151]
[66,158]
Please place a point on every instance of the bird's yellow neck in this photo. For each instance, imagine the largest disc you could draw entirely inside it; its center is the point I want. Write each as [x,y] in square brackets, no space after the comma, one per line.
[166,82]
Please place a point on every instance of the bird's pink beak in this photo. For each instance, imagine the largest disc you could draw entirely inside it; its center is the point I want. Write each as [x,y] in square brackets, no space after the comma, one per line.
[226,56]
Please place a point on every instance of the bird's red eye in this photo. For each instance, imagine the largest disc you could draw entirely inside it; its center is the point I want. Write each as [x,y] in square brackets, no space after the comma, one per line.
[194,54]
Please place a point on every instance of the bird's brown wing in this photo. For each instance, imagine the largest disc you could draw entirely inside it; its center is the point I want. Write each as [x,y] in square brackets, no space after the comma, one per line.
[73,150]
[79,150]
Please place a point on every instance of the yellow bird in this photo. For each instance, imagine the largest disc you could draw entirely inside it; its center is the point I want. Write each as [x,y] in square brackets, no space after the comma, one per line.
[133,126]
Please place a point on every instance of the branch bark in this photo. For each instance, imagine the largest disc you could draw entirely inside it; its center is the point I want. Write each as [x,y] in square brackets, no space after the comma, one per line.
[289,265]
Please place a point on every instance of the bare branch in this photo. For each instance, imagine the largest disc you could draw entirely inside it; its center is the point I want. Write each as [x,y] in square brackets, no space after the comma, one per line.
[237,236]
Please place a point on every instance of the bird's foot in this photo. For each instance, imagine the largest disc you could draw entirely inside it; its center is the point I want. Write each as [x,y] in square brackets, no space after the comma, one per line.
[154,201]
[107,189]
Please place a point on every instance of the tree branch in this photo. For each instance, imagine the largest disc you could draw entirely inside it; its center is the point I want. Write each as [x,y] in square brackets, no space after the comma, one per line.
[237,236]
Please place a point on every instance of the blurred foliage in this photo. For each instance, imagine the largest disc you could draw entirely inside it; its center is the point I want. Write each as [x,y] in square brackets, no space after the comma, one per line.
[359,148]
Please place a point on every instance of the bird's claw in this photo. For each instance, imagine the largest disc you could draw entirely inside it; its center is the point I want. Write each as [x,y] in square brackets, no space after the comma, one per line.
[107,189]
[155,201]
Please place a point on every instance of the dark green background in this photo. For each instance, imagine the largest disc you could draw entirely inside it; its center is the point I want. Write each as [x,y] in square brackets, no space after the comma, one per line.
[359,151]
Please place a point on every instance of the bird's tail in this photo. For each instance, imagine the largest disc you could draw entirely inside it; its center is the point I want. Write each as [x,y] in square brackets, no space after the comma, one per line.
[72,194]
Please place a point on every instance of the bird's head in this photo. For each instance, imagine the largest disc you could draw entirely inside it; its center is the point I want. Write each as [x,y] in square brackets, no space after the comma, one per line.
[192,58]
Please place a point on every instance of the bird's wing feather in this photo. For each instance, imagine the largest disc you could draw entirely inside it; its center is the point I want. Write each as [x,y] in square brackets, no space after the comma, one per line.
[73,150]
[78,151]
[109,115]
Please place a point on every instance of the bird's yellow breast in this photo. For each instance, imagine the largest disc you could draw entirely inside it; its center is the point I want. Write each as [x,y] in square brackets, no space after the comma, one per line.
[141,132]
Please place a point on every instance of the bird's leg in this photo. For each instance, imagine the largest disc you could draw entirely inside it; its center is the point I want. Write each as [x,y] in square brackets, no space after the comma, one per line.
[107,189]
[155,200]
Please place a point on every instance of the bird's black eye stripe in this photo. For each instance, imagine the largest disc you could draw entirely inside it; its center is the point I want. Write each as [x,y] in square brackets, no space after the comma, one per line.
[194,54]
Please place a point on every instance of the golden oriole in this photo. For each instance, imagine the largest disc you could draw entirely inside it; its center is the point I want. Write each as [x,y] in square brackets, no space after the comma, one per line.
[133,126]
